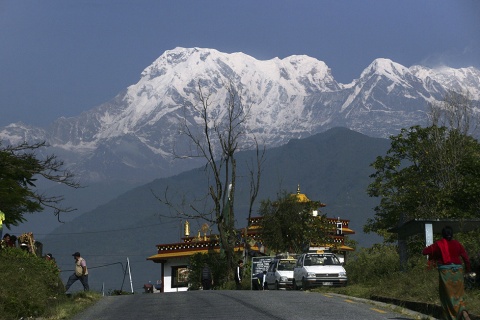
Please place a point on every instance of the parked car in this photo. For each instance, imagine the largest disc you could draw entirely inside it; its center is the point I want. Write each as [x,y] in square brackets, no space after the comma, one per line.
[318,269]
[280,273]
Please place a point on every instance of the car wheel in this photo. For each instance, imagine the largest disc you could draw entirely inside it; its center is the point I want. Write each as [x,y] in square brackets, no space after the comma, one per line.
[276,285]
[304,284]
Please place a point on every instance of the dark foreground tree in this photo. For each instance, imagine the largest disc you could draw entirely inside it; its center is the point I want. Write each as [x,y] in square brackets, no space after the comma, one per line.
[20,168]
[288,225]
[431,172]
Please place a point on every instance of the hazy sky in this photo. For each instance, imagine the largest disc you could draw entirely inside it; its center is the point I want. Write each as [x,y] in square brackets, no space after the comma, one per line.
[59,58]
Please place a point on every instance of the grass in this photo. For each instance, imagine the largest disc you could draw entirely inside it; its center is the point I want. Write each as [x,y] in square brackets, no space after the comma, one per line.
[73,305]
[375,272]
[405,289]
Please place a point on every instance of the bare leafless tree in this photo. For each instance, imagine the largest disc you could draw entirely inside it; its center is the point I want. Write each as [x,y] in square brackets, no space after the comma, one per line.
[217,138]
[456,111]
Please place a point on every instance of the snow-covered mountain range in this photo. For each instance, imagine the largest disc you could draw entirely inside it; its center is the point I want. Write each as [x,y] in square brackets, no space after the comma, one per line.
[132,136]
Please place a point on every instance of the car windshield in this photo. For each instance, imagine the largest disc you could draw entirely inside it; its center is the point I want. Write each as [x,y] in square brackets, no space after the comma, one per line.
[321,260]
[286,265]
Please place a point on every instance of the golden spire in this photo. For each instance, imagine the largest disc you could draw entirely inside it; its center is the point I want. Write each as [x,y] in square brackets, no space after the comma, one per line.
[187,229]
[205,228]
[300,196]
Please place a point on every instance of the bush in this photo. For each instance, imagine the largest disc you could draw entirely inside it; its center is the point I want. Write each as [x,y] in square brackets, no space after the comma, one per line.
[472,246]
[116,292]
[217,265]
[30,285]
[369,265]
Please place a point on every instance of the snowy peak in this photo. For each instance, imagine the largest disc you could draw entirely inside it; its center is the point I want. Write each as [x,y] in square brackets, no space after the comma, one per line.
[462,80]
[388,69]
[195,63]
[425,81]
[290,98]
[17,133]
[273,86]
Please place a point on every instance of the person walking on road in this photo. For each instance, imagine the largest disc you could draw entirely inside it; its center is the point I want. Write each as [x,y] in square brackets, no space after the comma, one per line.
[207,279]
[239,274]
[81,272]
[447,253]
[264,281]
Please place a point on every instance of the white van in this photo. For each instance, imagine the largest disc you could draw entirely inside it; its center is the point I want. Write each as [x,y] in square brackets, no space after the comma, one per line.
[318,269]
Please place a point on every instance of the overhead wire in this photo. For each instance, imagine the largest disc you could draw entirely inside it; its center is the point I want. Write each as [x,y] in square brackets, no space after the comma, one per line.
[102,231]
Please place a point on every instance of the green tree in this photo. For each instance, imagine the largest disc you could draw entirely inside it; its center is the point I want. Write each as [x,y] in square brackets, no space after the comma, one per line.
[215,262]
[20,167]
[431,172]
[288,225]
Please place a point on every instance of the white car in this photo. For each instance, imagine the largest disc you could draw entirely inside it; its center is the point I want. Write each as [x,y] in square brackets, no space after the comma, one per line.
[318,269]
[280,273]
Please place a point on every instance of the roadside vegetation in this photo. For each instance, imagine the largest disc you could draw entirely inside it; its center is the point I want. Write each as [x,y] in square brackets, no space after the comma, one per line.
[30,288]
[375,273]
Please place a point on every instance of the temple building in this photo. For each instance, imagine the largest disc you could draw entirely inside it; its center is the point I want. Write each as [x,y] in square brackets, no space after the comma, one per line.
[174,257]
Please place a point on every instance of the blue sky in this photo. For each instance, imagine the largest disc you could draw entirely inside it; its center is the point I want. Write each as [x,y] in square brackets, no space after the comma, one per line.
[61,57]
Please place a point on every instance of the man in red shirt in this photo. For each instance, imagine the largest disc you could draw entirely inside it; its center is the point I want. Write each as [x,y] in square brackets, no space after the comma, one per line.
[447,253]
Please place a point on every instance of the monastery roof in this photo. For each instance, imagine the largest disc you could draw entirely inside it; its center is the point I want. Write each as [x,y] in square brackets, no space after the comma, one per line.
[302,198]
[211,243]
[183,249]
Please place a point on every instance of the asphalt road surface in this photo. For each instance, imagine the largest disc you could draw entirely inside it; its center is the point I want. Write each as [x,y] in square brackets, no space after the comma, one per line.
[245,305]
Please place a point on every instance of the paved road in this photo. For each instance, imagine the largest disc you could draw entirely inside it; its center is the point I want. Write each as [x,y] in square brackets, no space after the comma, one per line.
[245,305]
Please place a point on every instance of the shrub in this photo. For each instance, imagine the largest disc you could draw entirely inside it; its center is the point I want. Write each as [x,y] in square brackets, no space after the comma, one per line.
[30,285]
[368,265]
[217,265]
